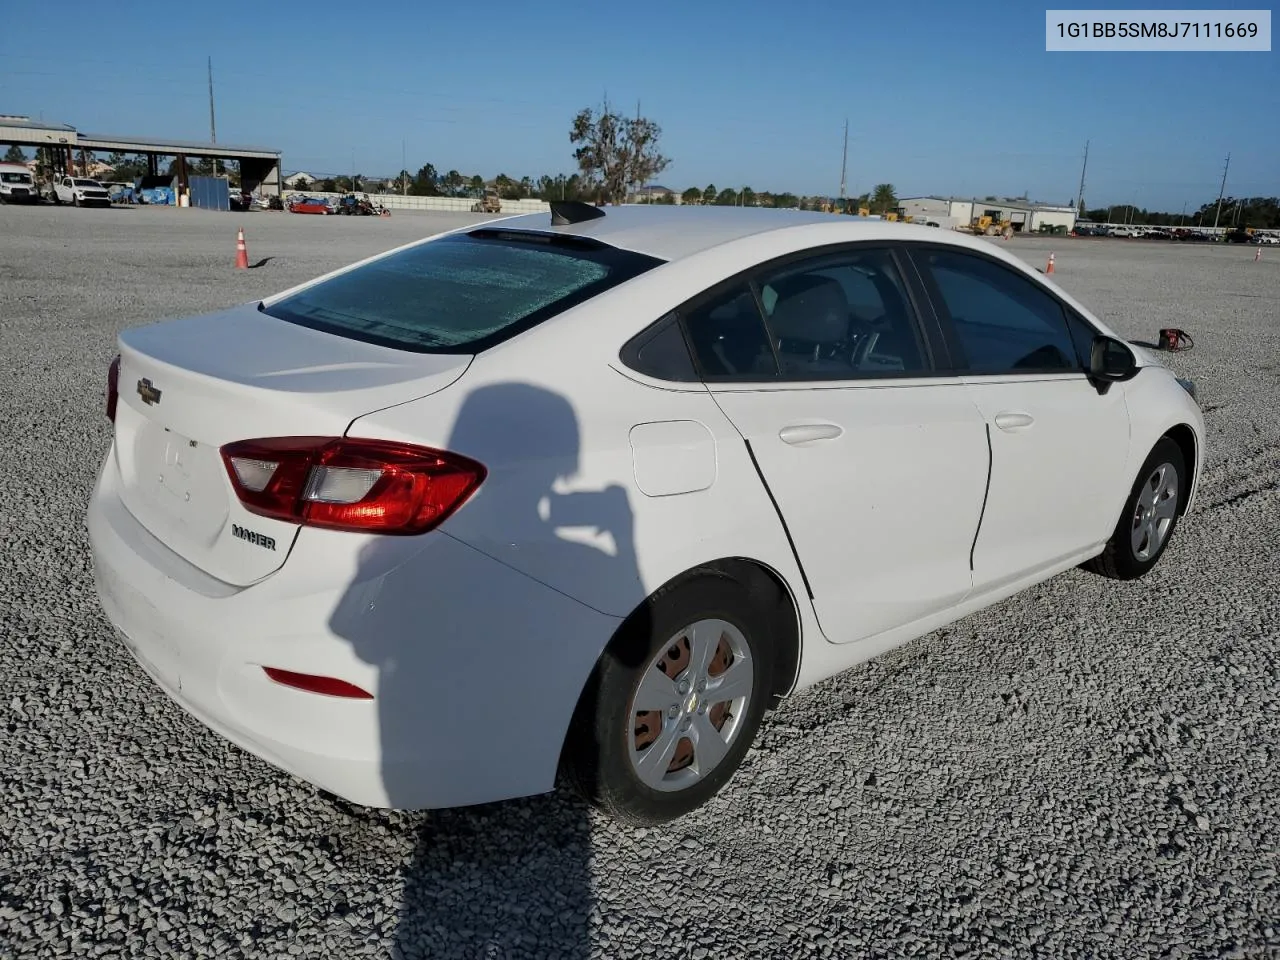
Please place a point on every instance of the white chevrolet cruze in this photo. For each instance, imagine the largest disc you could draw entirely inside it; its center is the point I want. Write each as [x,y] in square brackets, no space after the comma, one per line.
[590,491]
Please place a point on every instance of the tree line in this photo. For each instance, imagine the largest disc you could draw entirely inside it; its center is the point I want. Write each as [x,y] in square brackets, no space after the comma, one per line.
[618,159]
[1262,213]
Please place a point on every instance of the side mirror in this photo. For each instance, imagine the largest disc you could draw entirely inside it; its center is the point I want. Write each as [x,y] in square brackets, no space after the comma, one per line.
[1111,361]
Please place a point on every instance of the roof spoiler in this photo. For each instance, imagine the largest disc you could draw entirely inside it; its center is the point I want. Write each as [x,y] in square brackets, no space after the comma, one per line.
[565,212]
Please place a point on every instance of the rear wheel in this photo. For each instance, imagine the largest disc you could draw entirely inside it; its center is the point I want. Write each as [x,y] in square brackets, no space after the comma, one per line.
[673,704]
[1149,517]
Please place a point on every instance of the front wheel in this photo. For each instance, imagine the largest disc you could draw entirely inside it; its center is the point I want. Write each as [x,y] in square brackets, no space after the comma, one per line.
[1149,517]
[674,703]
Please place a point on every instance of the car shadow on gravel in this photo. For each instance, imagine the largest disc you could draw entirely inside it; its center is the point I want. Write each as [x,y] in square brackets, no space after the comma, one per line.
[485,705]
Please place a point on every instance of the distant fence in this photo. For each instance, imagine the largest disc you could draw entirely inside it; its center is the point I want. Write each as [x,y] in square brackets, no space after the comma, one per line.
[398,201]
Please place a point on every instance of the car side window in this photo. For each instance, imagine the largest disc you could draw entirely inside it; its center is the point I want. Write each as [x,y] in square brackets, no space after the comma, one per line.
[728,336]
[1082,335]
[661,352]
[844,316]
[1004,322]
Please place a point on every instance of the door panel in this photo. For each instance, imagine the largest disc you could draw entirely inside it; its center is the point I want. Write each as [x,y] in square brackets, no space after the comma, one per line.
[881,488]
[1058,454]
[878,467]
[1058,447]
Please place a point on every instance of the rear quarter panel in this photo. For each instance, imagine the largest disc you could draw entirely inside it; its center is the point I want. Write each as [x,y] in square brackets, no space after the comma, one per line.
[576,496]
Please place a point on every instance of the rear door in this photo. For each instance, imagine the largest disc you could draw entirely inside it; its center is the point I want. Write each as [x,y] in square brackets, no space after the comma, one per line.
[877,464]
[1059,448]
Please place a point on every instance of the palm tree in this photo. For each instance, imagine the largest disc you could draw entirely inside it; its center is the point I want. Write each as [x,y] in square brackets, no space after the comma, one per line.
[884,199]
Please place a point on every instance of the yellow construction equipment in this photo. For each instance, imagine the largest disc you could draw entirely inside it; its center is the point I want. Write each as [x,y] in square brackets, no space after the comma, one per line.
[491,202]
[988,226]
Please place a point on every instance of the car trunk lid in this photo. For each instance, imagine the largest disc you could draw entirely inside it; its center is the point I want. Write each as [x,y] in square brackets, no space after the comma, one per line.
[190,386]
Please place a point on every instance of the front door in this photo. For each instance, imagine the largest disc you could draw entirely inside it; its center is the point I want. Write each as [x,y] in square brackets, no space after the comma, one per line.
[1059,448]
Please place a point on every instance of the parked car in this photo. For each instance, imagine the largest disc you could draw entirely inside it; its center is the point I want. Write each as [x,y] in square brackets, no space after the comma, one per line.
[316,205]
[591,491]
[80,191]
[1269,239]
[17,185]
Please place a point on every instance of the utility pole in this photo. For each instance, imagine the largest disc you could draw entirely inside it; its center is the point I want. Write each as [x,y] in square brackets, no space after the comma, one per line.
[404,180]
[213,127]
[640,185]
[1221,190]
[1080,192]
[844,165]
[1184,213]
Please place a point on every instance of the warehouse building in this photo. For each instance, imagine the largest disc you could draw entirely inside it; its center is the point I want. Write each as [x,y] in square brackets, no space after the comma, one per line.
[1024,215]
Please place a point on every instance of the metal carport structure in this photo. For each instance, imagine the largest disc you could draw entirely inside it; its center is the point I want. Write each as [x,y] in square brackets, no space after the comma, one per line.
[259,166]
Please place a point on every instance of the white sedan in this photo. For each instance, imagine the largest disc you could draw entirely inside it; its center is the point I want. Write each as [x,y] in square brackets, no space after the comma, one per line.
[590,491]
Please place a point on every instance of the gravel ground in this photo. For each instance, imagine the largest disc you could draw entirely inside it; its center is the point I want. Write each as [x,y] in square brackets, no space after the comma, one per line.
[1089,770]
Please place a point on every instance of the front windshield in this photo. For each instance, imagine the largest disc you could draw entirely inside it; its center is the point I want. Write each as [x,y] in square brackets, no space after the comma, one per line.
[88,183]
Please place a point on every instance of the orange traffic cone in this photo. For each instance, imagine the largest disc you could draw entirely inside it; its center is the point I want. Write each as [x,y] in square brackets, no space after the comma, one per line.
[1049,269]
[242,252]
[1257,255]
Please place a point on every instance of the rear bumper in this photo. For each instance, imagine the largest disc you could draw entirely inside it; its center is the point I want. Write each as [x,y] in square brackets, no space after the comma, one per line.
[475,668]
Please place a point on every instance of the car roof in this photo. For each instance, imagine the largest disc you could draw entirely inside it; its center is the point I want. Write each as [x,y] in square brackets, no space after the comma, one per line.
[677,231]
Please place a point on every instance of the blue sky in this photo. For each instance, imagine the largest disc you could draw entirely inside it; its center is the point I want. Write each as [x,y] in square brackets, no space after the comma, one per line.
[941,97]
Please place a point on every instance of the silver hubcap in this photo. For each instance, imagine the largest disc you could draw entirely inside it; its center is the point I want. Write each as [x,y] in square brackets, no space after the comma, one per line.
[1153,516]
[689,706]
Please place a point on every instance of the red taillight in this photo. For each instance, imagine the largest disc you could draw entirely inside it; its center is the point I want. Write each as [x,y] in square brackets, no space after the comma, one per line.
[345,484]
[113,387]
[329,686]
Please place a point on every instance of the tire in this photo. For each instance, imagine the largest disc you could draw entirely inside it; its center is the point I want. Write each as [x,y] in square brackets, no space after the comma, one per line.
[1135,547]
[608,740]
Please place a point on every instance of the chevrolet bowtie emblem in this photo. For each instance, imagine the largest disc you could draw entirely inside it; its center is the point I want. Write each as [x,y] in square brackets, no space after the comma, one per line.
[147,392]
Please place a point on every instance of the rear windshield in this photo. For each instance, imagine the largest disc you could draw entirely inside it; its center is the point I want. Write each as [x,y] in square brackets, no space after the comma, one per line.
[462,293]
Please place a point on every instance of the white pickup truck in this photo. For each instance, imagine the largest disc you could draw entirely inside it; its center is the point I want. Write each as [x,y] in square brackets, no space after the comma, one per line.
[80,191]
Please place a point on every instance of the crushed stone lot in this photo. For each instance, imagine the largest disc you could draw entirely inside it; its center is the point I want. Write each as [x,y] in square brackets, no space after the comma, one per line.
[1089,770]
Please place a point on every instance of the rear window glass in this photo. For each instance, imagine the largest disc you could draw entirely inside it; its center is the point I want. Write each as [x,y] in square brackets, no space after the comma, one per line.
[462,293]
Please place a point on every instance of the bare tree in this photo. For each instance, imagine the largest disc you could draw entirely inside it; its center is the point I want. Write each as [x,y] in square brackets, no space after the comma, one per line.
[616,151]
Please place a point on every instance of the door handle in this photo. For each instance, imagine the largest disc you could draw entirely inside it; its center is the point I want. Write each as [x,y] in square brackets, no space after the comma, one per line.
[1014,421]
[807,432]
